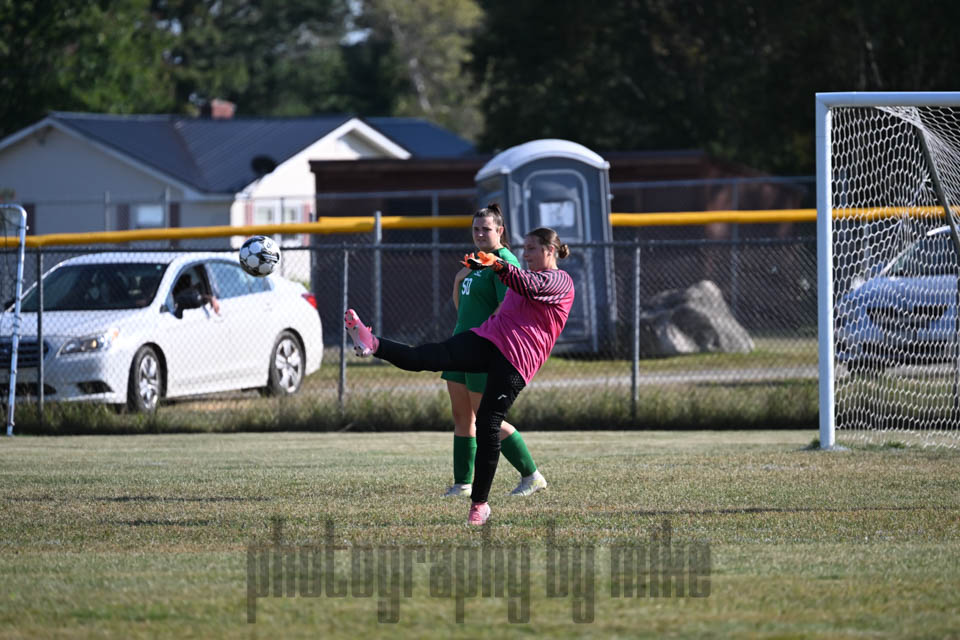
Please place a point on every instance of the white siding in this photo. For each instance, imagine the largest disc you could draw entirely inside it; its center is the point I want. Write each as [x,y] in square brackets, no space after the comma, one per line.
[294,178]
[68,178]
[205,214]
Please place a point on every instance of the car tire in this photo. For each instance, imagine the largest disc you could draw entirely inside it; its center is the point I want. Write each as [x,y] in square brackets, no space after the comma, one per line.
[287,366]
[145,387]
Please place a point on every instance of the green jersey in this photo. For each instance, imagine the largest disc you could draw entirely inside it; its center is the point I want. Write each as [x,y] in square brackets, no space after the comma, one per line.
[481,293]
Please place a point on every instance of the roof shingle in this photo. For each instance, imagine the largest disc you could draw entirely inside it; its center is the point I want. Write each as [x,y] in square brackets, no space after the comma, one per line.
[215,156]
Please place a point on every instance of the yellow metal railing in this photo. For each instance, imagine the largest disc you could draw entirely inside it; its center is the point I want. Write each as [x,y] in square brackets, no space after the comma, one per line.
[351,224]
[681,218]
[364,224]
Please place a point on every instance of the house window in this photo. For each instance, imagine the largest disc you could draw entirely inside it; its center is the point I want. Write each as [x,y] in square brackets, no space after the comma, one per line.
[263,214]
[276,213]
[147,216]
[290,214]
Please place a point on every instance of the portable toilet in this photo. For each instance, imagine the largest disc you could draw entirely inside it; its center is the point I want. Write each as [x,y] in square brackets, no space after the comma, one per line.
[565,186]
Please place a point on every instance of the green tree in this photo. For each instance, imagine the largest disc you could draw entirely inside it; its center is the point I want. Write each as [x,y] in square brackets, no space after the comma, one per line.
[272,57]
[115,64]
[79,55]
[371,80]
[736,78]
[429,43]
[568,69]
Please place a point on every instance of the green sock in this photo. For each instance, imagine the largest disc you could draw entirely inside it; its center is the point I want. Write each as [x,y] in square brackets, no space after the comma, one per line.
[515,450]
[464,451]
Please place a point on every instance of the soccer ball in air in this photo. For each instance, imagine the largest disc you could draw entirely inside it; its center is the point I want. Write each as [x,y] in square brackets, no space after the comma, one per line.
[259,256]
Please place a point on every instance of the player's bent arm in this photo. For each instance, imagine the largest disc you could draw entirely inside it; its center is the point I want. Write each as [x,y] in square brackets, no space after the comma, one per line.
[536,285]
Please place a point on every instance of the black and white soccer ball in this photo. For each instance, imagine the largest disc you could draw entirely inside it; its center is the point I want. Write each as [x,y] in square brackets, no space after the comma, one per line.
[259,255]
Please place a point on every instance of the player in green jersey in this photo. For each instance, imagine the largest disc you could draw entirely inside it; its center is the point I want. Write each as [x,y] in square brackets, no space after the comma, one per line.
[477,294]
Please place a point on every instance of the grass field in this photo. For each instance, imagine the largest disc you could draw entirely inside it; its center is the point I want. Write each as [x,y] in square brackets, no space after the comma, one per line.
[153,536]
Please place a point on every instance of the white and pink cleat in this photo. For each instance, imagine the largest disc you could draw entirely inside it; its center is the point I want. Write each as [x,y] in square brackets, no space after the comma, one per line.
[364,342]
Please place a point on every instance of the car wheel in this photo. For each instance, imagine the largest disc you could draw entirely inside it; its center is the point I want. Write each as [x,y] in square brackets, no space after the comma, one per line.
[287,364]
[146,381]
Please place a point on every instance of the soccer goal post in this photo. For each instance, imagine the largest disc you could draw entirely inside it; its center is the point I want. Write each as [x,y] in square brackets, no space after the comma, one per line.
[13,222]
[888,209]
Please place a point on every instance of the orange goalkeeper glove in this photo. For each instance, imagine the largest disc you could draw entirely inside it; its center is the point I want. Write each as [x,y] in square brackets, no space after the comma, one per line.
[482,260]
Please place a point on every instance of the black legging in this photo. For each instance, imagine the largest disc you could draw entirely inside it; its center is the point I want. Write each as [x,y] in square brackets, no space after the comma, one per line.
[470,353]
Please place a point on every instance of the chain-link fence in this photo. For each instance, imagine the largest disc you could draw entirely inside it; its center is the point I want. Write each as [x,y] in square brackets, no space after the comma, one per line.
[690,334]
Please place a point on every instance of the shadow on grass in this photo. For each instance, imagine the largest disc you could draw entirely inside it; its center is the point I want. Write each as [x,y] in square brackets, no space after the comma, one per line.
[760,510]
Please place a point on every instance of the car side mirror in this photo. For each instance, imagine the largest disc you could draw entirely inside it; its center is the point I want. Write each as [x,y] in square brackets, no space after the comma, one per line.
[187,299]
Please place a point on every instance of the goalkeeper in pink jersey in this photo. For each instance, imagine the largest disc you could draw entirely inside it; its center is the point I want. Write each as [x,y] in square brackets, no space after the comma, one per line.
[477,293]
[509,347]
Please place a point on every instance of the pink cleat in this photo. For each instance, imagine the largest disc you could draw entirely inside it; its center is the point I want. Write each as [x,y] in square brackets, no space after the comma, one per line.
[364,342]
[479,513]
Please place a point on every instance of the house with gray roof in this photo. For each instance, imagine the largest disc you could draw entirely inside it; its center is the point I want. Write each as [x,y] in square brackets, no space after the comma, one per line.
[82,172]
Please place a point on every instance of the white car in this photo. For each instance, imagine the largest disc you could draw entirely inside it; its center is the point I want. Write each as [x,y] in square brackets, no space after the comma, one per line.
[118,329]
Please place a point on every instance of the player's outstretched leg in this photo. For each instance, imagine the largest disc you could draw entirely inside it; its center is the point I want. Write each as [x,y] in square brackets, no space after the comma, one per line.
[364,342]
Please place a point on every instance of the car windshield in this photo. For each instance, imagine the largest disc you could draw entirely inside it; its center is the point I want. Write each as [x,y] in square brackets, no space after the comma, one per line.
[97,287]
[929,256]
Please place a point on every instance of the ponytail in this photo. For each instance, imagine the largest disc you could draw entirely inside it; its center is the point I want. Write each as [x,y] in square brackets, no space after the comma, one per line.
[549,237]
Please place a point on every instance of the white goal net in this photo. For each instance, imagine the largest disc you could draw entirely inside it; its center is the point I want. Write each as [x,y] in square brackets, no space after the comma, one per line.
[889,258]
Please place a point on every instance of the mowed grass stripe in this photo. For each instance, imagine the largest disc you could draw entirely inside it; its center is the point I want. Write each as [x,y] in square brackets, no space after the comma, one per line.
[147,536]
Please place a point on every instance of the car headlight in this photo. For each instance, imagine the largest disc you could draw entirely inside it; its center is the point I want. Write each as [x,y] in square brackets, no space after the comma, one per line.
[90,344]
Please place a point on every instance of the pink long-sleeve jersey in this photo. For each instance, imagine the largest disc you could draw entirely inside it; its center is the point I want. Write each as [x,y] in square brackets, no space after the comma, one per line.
[530,318]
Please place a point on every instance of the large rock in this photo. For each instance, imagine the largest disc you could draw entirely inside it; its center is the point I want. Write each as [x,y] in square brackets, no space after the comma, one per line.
[692,320]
